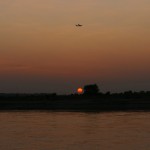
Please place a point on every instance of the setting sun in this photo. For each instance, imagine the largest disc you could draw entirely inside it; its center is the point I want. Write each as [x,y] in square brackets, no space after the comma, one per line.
[80,90]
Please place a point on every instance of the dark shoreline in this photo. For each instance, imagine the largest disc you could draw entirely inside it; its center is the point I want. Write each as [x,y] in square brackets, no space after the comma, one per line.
[77,103]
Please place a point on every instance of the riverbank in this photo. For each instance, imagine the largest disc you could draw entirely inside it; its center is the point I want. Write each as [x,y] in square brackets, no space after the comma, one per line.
[73,103]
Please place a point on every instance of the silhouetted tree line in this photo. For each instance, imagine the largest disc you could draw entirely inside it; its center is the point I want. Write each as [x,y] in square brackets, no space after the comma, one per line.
[91,90]
[91,100]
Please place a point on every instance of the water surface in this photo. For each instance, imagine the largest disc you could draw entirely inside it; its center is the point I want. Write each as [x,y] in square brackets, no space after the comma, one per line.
[74,131]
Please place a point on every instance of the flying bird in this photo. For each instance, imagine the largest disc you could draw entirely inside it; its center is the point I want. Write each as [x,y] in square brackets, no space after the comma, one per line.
[79,25]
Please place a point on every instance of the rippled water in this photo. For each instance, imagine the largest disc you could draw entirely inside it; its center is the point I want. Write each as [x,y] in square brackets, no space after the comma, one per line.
[74,131]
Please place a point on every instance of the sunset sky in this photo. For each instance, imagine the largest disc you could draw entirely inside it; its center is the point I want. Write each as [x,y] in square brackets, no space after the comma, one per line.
[41,49]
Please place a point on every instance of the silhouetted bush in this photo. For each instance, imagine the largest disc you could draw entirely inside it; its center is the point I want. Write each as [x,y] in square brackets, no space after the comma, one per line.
[91,89]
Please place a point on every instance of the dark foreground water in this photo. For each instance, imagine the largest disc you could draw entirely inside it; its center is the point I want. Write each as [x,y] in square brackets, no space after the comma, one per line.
[74,131]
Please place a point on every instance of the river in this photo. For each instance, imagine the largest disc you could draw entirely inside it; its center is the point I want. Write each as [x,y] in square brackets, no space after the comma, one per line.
[35,130]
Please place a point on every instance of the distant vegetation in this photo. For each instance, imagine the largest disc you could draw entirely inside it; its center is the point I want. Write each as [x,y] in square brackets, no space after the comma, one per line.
[91,89]
[91,100]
